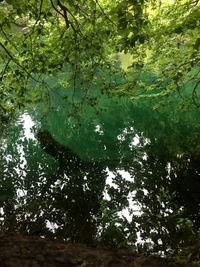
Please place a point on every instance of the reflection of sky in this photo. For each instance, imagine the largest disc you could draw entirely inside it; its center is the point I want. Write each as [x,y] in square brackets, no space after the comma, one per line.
[28,124]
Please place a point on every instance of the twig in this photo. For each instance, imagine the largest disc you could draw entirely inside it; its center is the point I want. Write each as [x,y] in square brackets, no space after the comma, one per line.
[8,39]
[96,1]
[36,22]
[14,60]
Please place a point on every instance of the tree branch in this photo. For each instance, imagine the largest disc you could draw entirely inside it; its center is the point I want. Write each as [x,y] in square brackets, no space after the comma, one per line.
[64,15]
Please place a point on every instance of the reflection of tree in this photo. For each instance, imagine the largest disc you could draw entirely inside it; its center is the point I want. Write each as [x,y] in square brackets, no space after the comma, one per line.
[167,187]
[66,190]
[185,185]
[57,187]
[7,191]
[77,198]
[7,201]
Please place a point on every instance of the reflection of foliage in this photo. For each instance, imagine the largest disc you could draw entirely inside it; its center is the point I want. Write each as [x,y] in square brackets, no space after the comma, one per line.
[170,203]
[79,193]
[61,61]
[115,230]
[66,186]
[66,193]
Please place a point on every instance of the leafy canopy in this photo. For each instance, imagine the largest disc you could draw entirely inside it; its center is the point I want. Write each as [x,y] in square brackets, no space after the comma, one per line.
[115,84]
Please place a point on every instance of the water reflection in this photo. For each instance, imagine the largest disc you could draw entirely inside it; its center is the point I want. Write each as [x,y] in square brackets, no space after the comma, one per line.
[61,190]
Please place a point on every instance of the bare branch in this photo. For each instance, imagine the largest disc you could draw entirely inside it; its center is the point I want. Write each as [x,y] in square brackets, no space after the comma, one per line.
[65,10]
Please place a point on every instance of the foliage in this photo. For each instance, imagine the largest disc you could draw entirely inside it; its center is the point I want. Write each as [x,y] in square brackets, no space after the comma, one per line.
[82,39]
[62,62]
